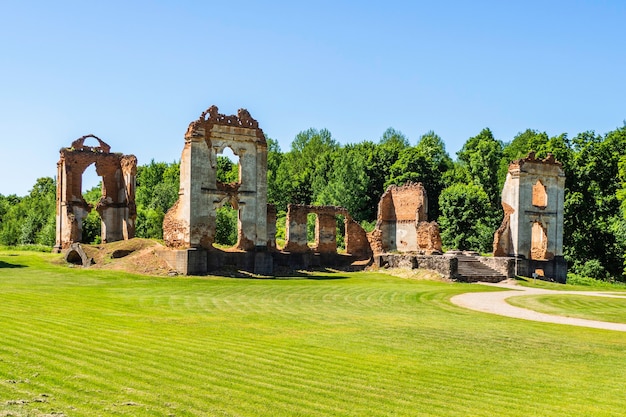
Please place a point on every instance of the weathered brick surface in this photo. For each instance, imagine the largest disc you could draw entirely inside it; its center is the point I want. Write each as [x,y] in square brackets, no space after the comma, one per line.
[428,238]
[402,222]
[192,221]
[532,229]
[325,231]
[116,206]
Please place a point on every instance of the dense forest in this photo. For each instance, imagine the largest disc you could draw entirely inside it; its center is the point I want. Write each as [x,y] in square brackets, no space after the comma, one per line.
[463,193]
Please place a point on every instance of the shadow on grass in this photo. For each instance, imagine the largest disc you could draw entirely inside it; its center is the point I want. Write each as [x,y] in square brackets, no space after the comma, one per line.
[8,265]
[318,274]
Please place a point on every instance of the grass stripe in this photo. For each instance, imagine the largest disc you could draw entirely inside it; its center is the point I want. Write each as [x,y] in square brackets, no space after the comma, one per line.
[105,343]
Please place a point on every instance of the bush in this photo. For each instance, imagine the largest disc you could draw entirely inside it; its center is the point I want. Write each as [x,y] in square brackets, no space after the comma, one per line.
[592,269]
[575,279]
[226,226]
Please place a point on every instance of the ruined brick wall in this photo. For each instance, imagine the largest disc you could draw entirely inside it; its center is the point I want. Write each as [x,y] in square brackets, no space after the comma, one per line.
[532,229]
[502,241]
[428,238]
[116,206]
[192,222]
[325,231]
[356,240]
[404,203]
[295,229]
[532,199]
[401,212]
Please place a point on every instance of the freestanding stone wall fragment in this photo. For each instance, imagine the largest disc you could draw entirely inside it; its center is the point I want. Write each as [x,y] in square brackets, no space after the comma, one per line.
[116,206]
[402,223]
[532,229]
[190,223]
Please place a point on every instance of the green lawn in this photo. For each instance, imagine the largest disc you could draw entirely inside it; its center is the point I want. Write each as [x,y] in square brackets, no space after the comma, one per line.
[580,306]
[98,343]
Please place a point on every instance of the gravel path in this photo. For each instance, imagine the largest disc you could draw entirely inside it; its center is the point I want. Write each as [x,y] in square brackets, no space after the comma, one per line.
[495,303]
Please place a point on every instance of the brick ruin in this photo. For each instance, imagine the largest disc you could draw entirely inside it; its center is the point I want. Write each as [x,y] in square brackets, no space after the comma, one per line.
[532,229]
[189,226]
[325,231]
[116,206]
[402,222]
[531,232]
[190,223]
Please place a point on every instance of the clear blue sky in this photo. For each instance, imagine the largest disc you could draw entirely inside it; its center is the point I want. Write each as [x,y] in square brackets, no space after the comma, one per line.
[135,73]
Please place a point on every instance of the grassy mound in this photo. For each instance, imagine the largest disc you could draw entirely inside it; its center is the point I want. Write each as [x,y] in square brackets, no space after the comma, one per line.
[134,255]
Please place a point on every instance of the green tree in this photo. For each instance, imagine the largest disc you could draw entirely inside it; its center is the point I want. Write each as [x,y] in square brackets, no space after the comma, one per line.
[157,189]
[480,157]
[428,163]
[227,170]
[593,222]
[226,226]
[462,221]
[92,224]
[347,183]
[298,166]
[30,220]
[274,159]
[523,143]
[380,158]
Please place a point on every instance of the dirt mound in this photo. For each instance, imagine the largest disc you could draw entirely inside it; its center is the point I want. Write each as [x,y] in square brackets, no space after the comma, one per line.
[135,255]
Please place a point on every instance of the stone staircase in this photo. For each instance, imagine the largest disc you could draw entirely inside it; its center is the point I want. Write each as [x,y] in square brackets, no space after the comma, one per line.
[470,269]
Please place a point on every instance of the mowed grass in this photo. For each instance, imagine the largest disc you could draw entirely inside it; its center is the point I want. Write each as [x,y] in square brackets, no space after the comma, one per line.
[80,342]
[579,306]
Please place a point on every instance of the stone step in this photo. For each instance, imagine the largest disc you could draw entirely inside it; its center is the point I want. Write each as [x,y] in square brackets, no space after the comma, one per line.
[471,269]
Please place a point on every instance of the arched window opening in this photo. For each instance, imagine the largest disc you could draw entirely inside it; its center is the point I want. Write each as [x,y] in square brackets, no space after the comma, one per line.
[539,242]
[540,196]
[91,191]
[228,167]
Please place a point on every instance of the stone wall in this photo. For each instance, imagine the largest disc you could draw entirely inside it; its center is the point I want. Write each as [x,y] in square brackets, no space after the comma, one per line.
[445,265]
[192,221]
[532,199]
[504,265]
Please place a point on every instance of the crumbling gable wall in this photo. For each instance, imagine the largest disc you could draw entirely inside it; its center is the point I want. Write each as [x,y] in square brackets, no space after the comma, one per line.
[402,221]
[325,231]
[116,206]
[191,222]
[532,229]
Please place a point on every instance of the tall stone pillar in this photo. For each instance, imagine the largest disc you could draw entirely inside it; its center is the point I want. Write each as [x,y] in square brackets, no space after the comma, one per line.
[532,229]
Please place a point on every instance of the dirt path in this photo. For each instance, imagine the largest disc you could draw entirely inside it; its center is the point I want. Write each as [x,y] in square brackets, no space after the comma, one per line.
[495,303]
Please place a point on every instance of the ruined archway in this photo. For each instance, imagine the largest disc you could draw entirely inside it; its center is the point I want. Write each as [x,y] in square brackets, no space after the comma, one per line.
[117,203]
[191,222]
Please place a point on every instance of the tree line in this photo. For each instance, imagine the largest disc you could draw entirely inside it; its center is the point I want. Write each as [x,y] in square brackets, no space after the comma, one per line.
[463,193]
